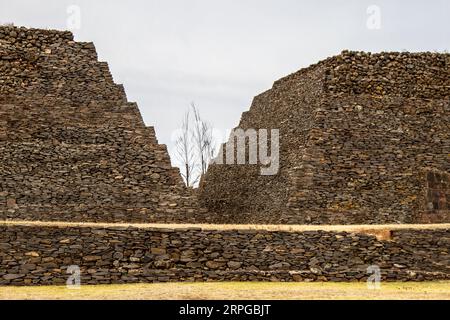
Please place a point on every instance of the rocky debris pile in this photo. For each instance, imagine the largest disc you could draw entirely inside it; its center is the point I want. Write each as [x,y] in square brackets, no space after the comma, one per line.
[32,255]
[359,134]
[73,148]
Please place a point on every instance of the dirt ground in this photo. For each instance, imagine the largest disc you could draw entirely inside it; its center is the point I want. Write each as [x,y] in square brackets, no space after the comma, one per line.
[235,290]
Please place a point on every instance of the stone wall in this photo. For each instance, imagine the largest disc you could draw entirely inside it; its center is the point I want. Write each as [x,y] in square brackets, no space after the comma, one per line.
[73,148]
[38,255]
[359,134]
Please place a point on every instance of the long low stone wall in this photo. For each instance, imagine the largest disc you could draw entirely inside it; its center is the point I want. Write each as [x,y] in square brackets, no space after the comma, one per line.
[40,255]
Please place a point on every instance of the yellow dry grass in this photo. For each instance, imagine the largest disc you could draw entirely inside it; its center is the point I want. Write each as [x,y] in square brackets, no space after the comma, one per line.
[236,290]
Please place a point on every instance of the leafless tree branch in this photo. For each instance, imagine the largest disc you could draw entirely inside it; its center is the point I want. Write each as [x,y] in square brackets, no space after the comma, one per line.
[195,146]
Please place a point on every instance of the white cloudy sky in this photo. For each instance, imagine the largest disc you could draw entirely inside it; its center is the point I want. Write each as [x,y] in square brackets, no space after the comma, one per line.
[220,54]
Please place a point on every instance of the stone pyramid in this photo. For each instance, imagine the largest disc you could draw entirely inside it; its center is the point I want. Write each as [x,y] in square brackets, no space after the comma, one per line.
[364,138]
[73,148]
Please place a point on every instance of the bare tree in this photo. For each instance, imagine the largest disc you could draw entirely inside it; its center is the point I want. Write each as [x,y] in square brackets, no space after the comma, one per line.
[185,152]
[203,140]
[195,146]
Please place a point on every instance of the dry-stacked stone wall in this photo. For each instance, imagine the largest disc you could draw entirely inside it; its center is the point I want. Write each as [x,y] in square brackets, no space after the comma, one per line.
[73,148]
[364,138]
[38,255]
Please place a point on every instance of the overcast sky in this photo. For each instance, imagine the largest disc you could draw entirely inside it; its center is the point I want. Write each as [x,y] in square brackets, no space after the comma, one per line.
[220,54]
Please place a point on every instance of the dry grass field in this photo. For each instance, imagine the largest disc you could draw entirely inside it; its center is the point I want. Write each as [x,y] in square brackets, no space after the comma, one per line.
[236,290]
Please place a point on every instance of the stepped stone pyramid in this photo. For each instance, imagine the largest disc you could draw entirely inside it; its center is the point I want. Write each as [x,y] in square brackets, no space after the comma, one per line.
[364,138]
[73,148]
